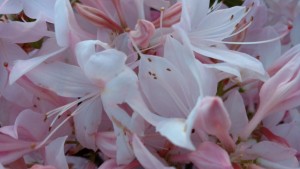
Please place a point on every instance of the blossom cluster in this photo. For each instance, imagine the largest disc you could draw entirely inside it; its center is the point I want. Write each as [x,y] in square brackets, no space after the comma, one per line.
[154,84]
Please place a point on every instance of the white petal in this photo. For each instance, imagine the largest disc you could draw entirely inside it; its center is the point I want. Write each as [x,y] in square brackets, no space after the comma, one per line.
[21,67]
[87,121]
[40,8]
[55,154]
[10,6]
[103,66]
[64,79]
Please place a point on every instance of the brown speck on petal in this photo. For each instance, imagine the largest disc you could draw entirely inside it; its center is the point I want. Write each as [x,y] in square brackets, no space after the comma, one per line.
[247,9]
[5,64]
[231,17]
[168,69]
[150,60]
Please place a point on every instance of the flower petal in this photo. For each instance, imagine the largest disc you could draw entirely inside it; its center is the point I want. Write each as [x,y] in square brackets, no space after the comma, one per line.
[144,156]
[64,79]
[21,67]
[87,121]
[10,6]
[55,154]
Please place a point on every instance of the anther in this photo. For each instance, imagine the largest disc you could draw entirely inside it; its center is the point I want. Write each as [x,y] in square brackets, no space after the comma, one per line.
[32,146]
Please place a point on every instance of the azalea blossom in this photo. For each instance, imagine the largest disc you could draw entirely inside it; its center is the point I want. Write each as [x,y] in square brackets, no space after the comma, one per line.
[154,84]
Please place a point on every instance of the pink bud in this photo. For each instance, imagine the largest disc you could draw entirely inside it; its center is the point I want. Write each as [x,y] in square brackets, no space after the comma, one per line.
[215,120]
[97,17]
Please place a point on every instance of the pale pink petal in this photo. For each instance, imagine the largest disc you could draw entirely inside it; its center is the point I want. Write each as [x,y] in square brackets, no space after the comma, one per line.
[87,121]
[217,25]
[176,130]
[12,149]
[124,89]
[55,154]
[19,95]
[111,164]
[24,32]
[144,156]
[84,50]
[10,6]
[210,156]
[67,30]
[36,166]
[103,66]
[21,67]
[197,75]
[237,113]
[295,36]
[64,79]
[280,92]
[272,151]
[289,131]
[266,50]
[25,126]
[40,9]
[106,142]
[192,12]
[274,165]
[248,66]
[164,87]
[9,52]
[125,153]
[80,163]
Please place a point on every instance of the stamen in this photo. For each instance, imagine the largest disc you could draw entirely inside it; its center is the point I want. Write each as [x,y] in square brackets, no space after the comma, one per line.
[61,110]
[162,9]
[252,43]
[93,96]
[170,16]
